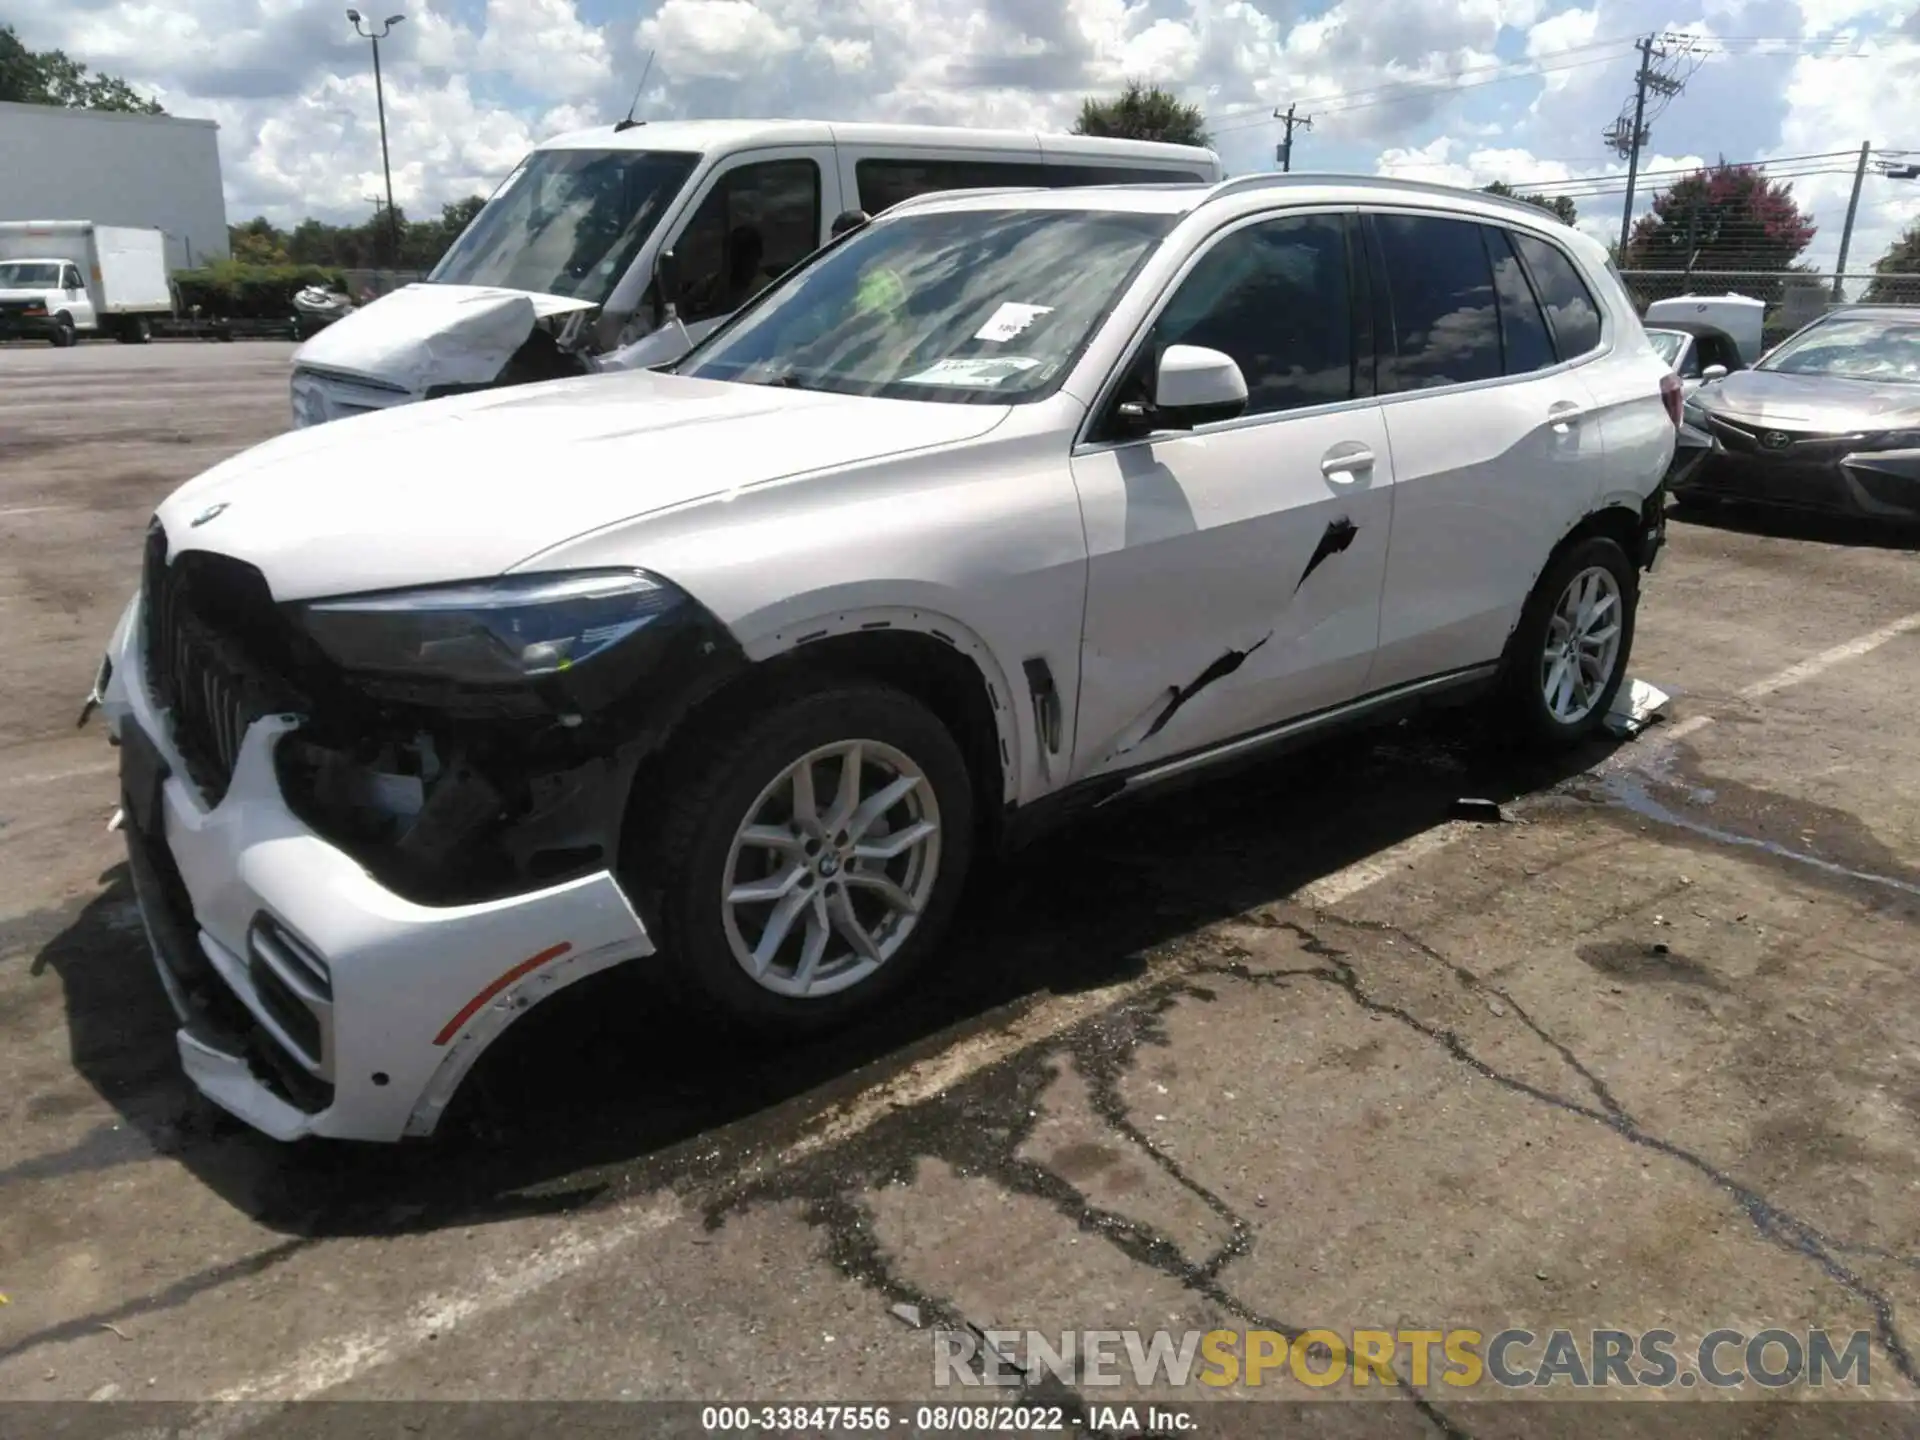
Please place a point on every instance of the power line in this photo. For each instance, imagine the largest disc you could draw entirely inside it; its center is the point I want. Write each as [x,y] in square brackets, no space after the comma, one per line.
[1681,171]
[1506,72]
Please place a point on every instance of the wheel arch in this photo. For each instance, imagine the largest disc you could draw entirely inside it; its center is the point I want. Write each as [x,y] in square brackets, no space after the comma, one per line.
[1620,518]
[937,659]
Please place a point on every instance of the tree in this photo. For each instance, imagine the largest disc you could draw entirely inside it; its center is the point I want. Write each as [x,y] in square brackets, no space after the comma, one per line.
[1724,218]
[1143,112]
[1558,206]
[1896,274]
[52,77]
[354,247]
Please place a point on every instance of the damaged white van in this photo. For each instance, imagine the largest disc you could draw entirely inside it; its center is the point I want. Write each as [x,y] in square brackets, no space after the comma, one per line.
[1006,504]
[556,274]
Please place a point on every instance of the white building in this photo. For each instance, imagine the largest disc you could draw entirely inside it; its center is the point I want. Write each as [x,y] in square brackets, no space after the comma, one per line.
[157,172]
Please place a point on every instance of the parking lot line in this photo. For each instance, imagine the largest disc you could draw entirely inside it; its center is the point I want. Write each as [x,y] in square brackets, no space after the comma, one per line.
[1827,659]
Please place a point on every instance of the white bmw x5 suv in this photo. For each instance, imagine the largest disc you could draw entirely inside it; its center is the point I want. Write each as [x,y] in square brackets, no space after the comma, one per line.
[1002,505]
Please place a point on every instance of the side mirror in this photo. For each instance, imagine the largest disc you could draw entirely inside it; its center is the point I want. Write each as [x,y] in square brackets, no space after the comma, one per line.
[666,279]
[1193,385]
[847,220]
[1713,372]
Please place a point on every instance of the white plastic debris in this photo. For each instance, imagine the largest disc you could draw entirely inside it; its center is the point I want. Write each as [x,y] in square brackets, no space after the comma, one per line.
[1635,707]
[909,1313]
[119,819]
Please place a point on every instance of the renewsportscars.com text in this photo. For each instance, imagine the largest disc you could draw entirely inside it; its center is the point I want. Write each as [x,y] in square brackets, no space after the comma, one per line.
[1512,1359]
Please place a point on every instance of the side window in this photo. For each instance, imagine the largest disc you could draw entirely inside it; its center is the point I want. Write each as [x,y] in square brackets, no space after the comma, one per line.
[1523,329]
[72,278]
[1276,297]
[1445,328]
[1570,306]
[757,222]
[887,182]
[1064,176]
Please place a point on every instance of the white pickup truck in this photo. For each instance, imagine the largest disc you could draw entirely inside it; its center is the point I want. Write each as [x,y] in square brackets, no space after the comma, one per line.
[61,279]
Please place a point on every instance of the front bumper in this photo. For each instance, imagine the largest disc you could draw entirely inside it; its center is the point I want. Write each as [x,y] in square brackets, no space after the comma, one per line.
[1875,484]
[17,326]
[313,1000]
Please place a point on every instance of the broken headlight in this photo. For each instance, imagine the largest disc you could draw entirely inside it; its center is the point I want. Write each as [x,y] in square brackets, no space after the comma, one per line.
[492,632]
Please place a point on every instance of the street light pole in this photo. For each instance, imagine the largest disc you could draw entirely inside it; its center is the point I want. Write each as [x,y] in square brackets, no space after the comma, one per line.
[380,100]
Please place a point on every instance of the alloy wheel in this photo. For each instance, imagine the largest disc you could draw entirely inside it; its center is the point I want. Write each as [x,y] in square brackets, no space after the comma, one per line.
[831,868]
[1583,645]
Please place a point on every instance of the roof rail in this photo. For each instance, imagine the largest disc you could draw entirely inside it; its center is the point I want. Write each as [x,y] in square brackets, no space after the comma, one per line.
[1239,183]
[926,195]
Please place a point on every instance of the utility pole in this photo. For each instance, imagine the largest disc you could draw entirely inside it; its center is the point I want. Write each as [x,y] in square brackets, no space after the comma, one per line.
[1627,136]
[1846,231]
[1284,151]
[380,99]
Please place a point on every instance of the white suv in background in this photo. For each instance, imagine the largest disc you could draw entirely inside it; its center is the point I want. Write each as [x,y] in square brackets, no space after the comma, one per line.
[1004,504]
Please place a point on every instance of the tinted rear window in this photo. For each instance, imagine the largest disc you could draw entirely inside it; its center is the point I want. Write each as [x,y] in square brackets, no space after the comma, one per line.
[1446,330]
[1571,310]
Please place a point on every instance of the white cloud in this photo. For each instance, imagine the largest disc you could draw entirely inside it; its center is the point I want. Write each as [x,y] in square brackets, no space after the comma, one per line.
[543,45]
[1394,85]
[717,39]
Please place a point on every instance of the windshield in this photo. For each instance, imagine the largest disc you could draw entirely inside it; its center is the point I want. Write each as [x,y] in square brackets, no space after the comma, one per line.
[987,306]
[24,276]
[1669,343]
[567,222]
[1866,348]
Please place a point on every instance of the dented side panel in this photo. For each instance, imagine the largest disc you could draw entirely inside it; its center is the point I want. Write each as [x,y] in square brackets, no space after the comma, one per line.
[1232,582]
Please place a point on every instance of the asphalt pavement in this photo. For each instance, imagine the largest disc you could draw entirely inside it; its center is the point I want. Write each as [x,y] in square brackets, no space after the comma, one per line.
[1297,1051]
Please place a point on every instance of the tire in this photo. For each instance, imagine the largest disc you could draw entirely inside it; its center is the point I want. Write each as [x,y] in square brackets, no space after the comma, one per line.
[739,777]
[135,331]
[1526,671]
[63,337]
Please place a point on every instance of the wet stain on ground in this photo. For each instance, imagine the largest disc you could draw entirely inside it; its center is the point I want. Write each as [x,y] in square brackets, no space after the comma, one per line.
[1636,960]
[1800,836]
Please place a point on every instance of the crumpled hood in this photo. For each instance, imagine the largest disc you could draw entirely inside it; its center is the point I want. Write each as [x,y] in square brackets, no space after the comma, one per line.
[469,487]
[1813,402]
[425,335]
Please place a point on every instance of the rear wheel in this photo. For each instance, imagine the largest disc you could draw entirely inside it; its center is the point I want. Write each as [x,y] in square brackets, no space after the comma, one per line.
[136,330]
[1568,655]
[63,334]
[812,858]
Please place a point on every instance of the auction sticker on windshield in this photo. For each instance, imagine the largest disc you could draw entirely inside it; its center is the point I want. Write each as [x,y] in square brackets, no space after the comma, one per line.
[1009,320]
[973,370]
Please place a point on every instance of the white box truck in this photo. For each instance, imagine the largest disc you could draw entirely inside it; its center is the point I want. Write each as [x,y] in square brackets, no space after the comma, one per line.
[61,279]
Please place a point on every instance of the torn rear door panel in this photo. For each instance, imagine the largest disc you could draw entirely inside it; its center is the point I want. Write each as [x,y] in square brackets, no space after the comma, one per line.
[1234,580]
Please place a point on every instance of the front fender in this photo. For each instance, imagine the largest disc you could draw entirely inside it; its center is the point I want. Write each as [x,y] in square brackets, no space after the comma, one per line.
[795,623]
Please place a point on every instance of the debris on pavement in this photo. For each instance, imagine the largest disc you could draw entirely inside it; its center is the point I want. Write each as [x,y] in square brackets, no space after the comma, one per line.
[909,1313]
[1470,808]
[1635,707]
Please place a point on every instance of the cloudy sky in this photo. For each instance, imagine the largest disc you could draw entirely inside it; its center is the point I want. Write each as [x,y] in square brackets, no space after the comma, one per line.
[1467,92]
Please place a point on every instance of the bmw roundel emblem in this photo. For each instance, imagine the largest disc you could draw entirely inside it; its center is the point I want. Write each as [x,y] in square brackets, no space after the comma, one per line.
[212,512]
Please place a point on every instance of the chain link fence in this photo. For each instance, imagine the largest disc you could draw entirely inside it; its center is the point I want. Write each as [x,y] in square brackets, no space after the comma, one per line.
[1792,298]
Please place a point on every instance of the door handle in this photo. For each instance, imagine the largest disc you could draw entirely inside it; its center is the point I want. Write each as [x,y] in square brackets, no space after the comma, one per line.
[1342,463]
[1564,415]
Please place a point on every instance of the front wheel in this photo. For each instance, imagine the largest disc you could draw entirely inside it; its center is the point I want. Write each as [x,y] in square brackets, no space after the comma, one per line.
[1568,656]
[812,858]
[63,334]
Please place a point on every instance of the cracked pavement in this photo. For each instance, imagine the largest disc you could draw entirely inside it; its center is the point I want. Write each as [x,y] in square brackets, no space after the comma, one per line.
[1286,1052]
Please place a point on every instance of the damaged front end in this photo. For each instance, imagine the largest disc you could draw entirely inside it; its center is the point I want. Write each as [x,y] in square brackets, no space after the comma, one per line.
[461,743]
[425,341]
